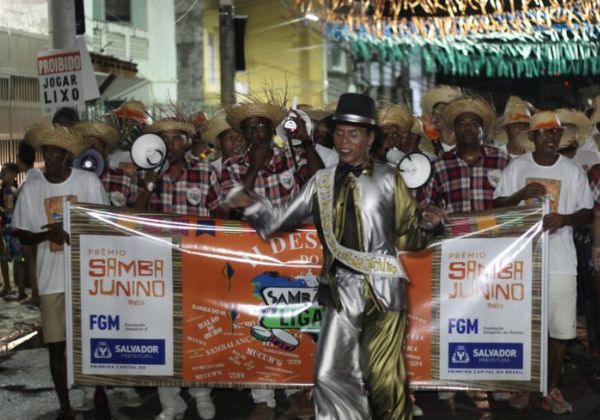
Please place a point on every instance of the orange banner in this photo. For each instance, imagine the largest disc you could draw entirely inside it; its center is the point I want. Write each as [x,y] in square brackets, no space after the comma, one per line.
[250,314]
[243,310]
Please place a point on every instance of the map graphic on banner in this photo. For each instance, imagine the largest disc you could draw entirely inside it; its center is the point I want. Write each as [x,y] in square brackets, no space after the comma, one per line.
[127,305]
[485,309]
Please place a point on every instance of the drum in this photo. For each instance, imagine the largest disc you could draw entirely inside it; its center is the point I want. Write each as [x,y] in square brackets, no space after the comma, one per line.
[260,333]
[284,340]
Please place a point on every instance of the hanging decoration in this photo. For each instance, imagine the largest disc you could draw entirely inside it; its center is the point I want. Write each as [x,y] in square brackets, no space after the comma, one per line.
[470,38]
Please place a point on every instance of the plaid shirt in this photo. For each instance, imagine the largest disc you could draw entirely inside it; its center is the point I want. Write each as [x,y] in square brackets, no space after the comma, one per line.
[196,191]
[459,187]
[279,182]
[594,180]
[121,187]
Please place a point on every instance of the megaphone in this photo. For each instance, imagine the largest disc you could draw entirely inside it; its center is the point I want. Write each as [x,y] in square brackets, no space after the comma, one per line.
[90,160]
[149,152]
[415,168]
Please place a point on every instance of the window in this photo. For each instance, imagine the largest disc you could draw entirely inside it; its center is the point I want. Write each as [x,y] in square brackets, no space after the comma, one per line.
[4,89]
[337,59]
[118,11]
[97,40]
[138,47]
[24,89]
[115,44]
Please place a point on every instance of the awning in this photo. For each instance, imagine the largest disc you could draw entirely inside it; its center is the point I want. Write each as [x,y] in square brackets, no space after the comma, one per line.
[116,78]
[119,87]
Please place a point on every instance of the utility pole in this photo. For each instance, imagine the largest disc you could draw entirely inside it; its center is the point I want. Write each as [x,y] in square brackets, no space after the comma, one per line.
[61,24]
[227,51]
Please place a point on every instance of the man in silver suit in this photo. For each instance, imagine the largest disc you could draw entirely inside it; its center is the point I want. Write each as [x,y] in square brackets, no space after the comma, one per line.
[363,213]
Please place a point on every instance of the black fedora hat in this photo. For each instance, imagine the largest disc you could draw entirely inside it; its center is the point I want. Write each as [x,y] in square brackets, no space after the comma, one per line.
[353,109]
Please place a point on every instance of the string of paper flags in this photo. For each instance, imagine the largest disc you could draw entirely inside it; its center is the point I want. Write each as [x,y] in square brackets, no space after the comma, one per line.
[541,38]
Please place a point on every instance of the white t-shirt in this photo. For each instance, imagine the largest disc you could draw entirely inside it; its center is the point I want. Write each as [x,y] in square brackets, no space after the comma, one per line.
[40,203]
[587,154]
[569,192]
[31,174]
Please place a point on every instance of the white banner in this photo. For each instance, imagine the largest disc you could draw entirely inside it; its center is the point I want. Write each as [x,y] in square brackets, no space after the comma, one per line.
[60,77]
[485,309]
[126,305]
[66,78]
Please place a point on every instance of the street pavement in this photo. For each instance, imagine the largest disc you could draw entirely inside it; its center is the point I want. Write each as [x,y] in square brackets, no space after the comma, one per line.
[26,391]
[16,321]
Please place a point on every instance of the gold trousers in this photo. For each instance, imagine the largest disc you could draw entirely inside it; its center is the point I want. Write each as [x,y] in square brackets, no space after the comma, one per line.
[359,371]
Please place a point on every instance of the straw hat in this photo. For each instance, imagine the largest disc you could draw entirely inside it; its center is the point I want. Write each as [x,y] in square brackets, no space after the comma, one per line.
[313,113]
[582,124]
[498,134]
[171,123]
[317,115]
[475,105]
[439,94]
[395,115]
[132,110]
[45,134]
[524,142]
[109,135]
[215,126]
[541,120]
[425,144]
[243,111]
[595,117]
[331,106]
[516,111]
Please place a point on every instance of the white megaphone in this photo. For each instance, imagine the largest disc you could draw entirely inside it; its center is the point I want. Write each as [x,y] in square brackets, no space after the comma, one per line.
[149,152]
[90,160]
[415,168]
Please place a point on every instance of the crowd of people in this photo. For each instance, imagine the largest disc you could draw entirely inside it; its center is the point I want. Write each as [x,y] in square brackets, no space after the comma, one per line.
[335,168]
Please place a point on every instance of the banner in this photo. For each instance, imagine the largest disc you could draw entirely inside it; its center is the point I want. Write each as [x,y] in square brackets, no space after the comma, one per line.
[126,305]
[485,303]
[239,311]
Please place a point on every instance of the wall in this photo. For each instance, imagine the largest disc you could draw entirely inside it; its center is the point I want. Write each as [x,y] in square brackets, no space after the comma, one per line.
[19,90]
[281,48]
[148,40]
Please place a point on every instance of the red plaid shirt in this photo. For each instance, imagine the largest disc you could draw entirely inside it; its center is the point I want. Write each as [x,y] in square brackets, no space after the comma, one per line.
[459,187]
[594,180]
[121,187]
[279,182]
[196,191]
